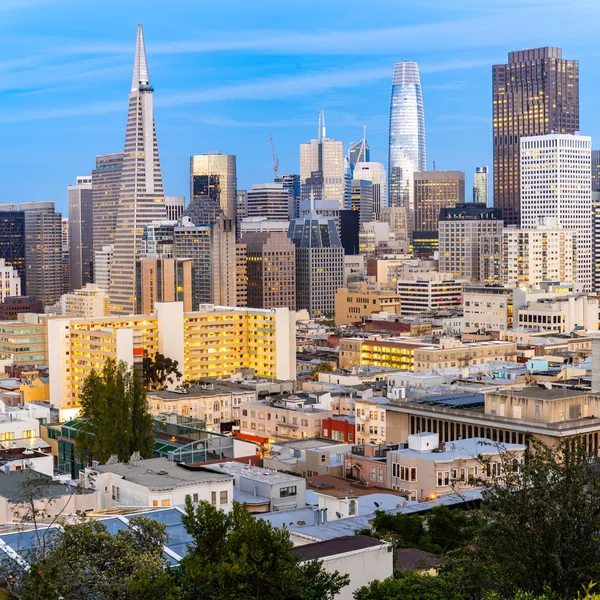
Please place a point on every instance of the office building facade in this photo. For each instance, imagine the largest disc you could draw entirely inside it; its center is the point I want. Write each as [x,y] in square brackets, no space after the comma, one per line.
[12,240]
[375,173]
[175,205]
[481,186]
[81,233]
[407,152]
[141,198]
[214,175]
[269,200]
[106,185]
[361,200]
[535,93]
[163,280]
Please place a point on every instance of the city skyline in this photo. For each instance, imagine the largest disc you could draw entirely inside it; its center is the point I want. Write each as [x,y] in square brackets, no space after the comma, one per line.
[255,83]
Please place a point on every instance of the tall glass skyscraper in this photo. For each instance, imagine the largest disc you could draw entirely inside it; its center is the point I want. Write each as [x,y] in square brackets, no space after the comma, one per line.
[407,134]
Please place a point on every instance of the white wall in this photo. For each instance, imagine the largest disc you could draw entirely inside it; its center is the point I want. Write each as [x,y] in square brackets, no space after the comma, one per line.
[285,343]
[58,345]
[170,333]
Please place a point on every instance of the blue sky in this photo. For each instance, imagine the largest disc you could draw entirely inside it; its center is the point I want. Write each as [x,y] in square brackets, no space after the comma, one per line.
[228,72]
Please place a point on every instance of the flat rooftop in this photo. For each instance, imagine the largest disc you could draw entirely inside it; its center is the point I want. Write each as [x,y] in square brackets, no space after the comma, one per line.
[211,389]
[11,486]
[341,545]
[467,448]
[161,474]
[250,472]
[538,393]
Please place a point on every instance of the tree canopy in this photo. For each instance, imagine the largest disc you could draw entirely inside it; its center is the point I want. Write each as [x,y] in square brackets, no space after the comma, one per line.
[114,413]
[159,370]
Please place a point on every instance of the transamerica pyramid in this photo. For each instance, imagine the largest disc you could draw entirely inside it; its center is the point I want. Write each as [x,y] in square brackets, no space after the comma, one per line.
[142,197]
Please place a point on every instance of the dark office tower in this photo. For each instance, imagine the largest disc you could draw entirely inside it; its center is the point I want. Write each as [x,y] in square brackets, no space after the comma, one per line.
[359,152]
[596,220]
[361,200]
[12,239]
[106,182]
[81,233]
[536,93]
[433,191]
[291,183]
[595,170]
[349,228]
[203,210]
[141,196]
[43,251]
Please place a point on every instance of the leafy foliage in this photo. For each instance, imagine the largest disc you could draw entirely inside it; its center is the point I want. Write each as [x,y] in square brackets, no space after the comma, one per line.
[411,586]
[322,367]
[159,370]
[114,413]
[235,556]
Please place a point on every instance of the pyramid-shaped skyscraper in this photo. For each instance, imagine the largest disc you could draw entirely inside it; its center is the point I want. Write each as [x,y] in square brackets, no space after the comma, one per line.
[141,198]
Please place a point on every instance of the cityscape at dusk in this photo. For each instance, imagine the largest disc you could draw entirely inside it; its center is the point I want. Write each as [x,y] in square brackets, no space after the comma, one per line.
[299,301]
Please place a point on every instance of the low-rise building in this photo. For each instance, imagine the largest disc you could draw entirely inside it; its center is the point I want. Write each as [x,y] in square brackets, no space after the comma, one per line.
[426,470]
[370,420]
[157,482]
[88,302]
[427,291]
[354,304]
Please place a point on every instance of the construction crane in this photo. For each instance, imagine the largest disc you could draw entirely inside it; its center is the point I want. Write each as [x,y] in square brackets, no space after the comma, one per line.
[275,159]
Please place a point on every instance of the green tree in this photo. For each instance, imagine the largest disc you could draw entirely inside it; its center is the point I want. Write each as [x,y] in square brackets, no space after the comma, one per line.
[539,526]
[235,557]
[86,561]
[406,585]
[159,370]
[114,415]
[451,528]
[322,367]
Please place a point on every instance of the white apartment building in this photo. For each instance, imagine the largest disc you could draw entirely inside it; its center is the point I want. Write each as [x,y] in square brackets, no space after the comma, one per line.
[547,253]
[370,420]
[421,292]
[88,302]
[103,260]
[375,173]
[556,182]
[560,315]
[10,281]
[487,308]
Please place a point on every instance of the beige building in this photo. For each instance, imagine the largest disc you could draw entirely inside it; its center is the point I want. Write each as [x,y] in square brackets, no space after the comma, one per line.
[408,355]
[509,416]
[427,291]
[163,280]
[487,308]
[24,341]
[283,419]
[370,420]
[435,190]
[358,302]
[531,256]
[88,302]
[427,469]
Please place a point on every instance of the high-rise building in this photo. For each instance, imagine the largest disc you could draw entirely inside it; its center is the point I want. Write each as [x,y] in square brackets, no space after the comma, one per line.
[375,173]
[81,233]
[157,240]
[10,282]
[214,175]
[361,199]
[595,170]
[323,167]
[319,263]
[87,302]
[535,93]
[481,186]
[291,183]
[103,260]
[407,152]
[241,208]
[435,190]
[106,184]
[359,152]
[175,206]
[12,240]
[163,280]
[397,218]
[203,210]
[66,261]
[556,184]
[463,233]
[271,269]
[141,198]
[44,251]
[269,200]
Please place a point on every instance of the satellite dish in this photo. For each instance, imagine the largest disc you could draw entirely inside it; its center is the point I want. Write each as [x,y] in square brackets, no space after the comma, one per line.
[338,515]
[377,504]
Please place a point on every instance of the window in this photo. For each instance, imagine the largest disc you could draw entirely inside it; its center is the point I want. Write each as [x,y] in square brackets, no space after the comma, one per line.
[223,497]
[213,498]
[413,474]
[352,508]
[440,478]
[116,493]
[323,458]
[29,433]
[286,492]
[165,503]
[7,435]
[154,502]
[374,473]
[195,498]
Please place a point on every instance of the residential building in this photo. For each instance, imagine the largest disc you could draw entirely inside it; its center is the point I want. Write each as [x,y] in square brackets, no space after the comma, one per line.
[141,195]
[88,302]
[487,308]
[282,490]
[465,233]
[427,291]
[356,303]
[375,173]
[556,183]
[103,260]
[435,190]
[157,239]
[407,152]
[427,469]
[308,457]
[256,339]
[322,167]
[163,280]
[106,185]
[535,93]
[81,233]
[214,175]
[319,263]
[269,201]
[561,315]
[410,355]
[66,261]
[370,421]
[271,269]
[43,251]
[481,186]
[530,256]
[24,341]
[175,206]
[157,482]
[340,428]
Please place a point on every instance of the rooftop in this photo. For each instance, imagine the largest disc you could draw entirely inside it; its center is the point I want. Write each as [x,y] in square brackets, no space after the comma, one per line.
[542,393]
[162,474]
[11,486]
[209,389]
[251,472]
[341,545]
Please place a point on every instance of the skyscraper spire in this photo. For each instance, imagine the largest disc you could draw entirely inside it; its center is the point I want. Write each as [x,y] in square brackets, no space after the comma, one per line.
[141,197]
[140,64]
